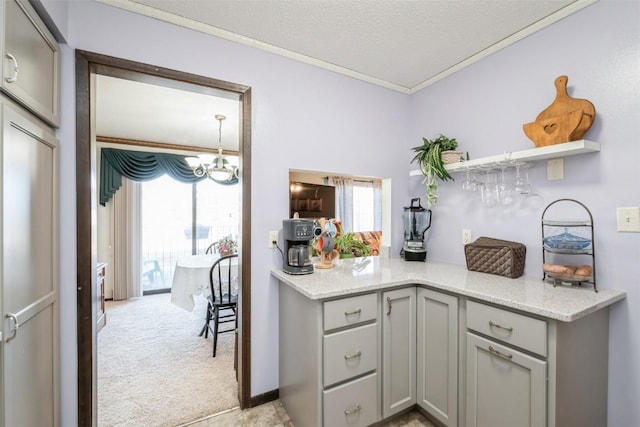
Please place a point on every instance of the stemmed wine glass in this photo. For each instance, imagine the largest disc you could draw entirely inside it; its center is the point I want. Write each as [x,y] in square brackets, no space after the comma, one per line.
[489,190]
[470,183]
[505,189]
[521,184]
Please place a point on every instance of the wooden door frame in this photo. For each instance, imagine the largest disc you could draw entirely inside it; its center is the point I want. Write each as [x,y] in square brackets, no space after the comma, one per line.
[88,63]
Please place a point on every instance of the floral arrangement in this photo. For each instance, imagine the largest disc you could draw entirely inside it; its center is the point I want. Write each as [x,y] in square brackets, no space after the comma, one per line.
[227,245]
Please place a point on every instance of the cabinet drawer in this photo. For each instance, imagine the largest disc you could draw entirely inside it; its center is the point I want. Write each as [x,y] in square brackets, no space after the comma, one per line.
[512,328]
[350,311]
[350,353]
[352,404]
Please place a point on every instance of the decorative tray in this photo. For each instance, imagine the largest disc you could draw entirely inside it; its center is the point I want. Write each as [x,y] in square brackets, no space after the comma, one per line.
[567,241]
[568,277]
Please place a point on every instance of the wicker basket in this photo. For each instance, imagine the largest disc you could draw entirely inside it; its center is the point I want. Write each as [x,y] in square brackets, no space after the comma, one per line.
[495,256]
[451,156]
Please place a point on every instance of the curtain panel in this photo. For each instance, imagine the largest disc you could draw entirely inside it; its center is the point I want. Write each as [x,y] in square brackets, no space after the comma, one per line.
[127,241]
[141,166]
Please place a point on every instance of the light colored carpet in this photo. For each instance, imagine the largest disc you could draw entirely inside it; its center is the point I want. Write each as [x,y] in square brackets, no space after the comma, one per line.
[154,369]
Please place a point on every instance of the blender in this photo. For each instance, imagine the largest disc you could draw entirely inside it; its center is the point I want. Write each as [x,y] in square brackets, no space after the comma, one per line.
[417,221]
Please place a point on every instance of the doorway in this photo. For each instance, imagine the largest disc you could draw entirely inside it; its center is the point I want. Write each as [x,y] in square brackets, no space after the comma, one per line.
[87,66]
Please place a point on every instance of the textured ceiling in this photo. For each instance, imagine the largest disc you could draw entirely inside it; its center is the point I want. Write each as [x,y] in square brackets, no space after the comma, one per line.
[400,44]
[403,45]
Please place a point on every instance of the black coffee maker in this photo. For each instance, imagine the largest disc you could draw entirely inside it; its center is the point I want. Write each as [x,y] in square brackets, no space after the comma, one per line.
[417,221]
[297,233]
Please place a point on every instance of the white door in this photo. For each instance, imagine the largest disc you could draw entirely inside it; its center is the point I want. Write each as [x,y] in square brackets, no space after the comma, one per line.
[437,364]
[28,283]
[398,350]
[505,388]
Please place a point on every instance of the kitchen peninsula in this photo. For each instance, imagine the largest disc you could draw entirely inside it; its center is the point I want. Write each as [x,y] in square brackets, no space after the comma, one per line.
[373,337]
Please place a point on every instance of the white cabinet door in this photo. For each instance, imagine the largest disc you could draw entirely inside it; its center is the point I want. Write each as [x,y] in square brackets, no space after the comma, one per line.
[30,60]
[505,388]
[28,279]
[437,352]
[398,350]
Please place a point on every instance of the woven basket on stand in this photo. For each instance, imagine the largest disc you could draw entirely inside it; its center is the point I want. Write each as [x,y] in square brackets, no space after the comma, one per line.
[451,156]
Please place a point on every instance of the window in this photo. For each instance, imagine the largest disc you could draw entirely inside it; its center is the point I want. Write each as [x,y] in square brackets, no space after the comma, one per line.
[173,213]
[363,207]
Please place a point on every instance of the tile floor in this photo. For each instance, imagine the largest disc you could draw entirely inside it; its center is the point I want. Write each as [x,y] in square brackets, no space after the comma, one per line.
[272,414]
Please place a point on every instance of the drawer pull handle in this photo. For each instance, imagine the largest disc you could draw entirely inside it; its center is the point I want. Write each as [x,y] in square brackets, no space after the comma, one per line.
[495,325]
[351,313]
[14,328]
[352,356]
[352,411]
[500,354]
[389,306]
[13,78]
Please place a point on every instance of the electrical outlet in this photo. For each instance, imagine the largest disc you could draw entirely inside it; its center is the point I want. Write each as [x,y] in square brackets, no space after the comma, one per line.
[273,239]
[466,236]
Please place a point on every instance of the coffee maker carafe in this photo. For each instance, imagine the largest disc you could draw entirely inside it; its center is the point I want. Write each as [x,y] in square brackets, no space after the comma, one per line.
[297,233]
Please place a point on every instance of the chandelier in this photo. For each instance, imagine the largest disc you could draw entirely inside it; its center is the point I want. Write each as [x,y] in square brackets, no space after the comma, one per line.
[216,167]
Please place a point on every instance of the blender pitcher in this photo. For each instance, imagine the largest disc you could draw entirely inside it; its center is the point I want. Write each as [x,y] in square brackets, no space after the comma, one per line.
[417,221]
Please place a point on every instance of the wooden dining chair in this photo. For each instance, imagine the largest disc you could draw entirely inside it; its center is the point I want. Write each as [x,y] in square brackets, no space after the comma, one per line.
[222,304]
[212,248]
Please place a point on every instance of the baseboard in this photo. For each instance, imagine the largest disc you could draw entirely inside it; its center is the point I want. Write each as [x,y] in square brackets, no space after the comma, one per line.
[265,397]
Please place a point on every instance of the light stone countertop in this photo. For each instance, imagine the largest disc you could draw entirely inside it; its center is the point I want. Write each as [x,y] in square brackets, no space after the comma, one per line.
[531,295]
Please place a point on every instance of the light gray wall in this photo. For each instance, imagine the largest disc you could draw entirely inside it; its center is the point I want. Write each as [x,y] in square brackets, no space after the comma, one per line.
[485,105]
[304,118]
[311,119]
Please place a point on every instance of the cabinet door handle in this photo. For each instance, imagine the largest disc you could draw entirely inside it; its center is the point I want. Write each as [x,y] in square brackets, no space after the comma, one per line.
[352,410]
[14,328]
[352,356]
[500,354]
[388,306]
[495,325]
[351,313]
[15,69]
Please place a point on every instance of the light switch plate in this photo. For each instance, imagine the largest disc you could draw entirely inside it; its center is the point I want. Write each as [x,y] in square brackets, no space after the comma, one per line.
[628,219]
[555,169]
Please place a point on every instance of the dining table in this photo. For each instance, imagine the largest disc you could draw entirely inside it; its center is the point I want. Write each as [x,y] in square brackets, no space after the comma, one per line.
[191,277]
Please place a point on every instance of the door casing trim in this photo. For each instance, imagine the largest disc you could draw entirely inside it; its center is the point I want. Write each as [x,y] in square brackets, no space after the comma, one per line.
[88,63]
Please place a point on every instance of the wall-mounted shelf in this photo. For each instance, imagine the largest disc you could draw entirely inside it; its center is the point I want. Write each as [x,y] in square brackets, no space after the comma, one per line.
[542,153]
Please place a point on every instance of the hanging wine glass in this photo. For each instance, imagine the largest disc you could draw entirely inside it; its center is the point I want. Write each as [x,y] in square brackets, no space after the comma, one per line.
[505,189]
[470,183]
[519,184]
[489,191]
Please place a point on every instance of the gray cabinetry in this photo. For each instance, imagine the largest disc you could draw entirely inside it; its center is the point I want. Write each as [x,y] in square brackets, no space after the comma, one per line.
[329,357]
[522,370]
[437,355]
[505,387]
[398,350]
[28,270]
[30,60]
[358,358]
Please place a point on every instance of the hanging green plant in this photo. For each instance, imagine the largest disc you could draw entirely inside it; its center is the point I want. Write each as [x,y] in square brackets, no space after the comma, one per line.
[429,157]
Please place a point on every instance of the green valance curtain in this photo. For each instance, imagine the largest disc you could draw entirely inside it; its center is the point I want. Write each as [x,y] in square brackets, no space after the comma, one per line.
[141,166]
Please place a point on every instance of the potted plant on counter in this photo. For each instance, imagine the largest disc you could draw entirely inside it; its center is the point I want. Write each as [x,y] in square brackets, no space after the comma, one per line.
[431,156]
[350,247]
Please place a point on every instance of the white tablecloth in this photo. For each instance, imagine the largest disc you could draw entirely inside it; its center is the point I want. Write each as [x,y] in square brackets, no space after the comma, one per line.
[191,277]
